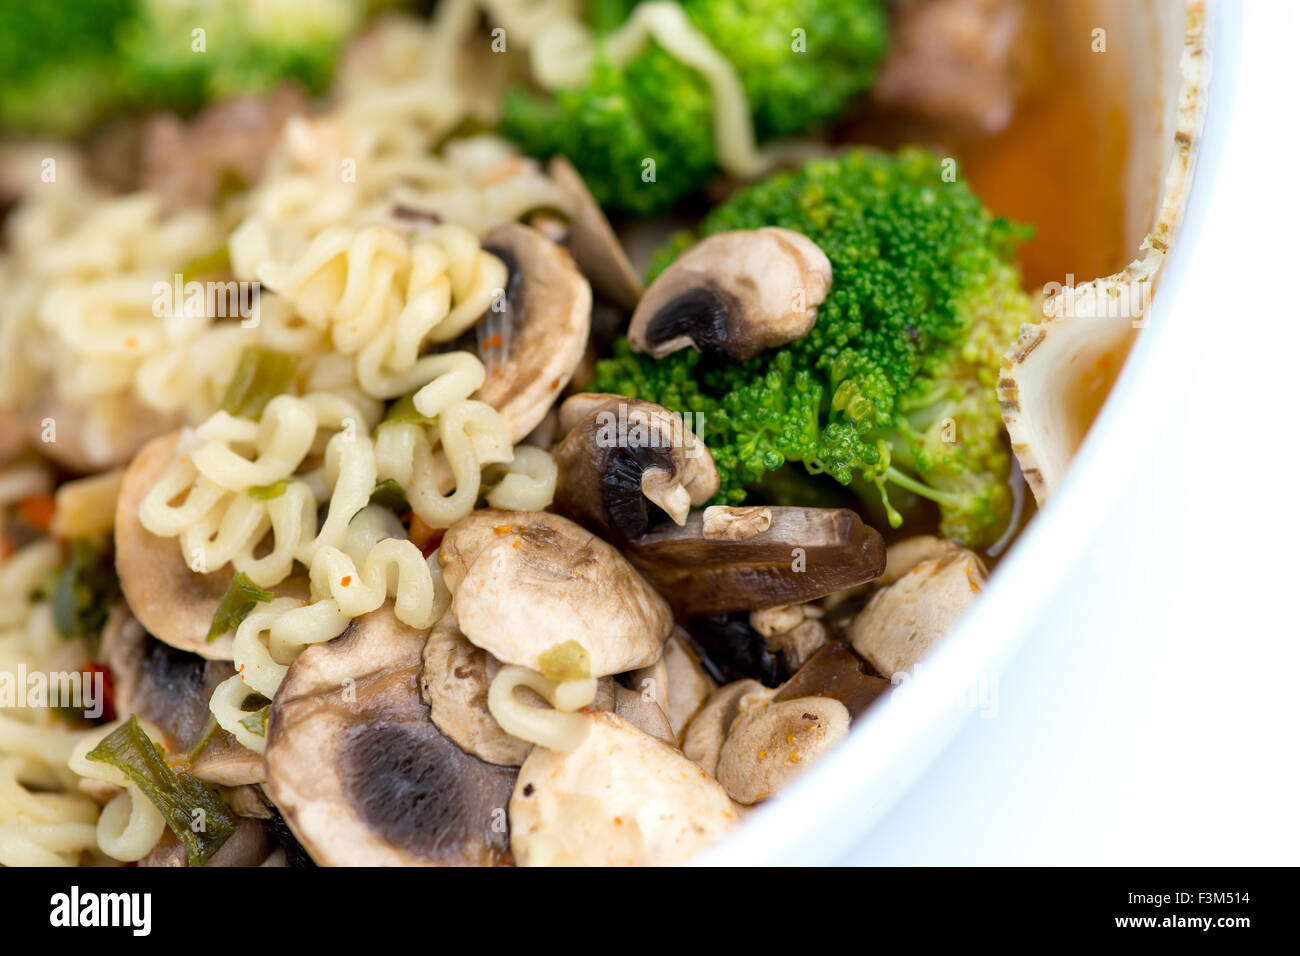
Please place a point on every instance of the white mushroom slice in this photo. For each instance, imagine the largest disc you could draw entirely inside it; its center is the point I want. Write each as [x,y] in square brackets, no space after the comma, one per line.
[620,799]
[454,682]
[620,456]
[592,240]
[689,685]
[361,774]
[537,590]
[707,731]
[768,746]
[735,524]
[902,556]
[733,294]
[903,621]
[533,343]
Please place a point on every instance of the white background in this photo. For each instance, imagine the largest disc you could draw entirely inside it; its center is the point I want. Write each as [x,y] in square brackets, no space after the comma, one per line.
[1152,715]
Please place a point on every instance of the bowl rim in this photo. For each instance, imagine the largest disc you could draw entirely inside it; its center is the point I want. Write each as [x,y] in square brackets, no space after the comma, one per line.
[898,740]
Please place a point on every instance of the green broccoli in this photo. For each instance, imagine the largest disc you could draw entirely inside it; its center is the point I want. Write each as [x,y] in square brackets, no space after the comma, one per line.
[895,383]
[66,64]
[799,62]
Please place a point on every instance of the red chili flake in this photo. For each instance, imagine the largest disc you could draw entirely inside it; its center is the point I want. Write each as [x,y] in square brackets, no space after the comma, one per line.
[494,341]
[555,383]
[347,580]
[110,698]
[502,529]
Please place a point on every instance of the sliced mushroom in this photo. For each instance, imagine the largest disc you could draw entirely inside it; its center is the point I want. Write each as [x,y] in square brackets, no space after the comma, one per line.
[454,682]
[902,556]
[836,672]
[537,590]
[733,294]
[903,621]
[707,731]
[642,710]
[533,345]
[171,688]
[689,685]
[175,605]
[361,774]
[249,845]
[592,240]
[770,744]
[624,463]
[805,554]
[622,798]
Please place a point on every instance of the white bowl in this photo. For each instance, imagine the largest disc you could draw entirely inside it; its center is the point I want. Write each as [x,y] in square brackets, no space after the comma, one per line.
[838,800]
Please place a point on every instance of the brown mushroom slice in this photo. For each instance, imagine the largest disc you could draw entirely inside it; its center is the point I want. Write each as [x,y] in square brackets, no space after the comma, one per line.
[623,461]
[903,621]
[708,729]
[454,682]
[592,241]
[360,773]
[171,689]
[533,344]
[836,672]
[732,295]
[806,553]
[173,603]
[769,745]
[640,709]
[249,845]
[621,798]
[535,589]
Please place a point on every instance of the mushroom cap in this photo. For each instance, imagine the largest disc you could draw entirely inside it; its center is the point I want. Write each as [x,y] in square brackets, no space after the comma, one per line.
[624,463]
[361,774]
[733,294]
[454,682]
[173,603]
[903,621]
[592,240]
[543,329]
[704,735]
[769,745]
[523,583]
[805,553]
[622,798]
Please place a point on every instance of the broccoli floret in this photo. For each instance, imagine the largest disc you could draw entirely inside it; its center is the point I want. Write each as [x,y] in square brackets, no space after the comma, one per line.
[246,46]
[57,62]
[66,64]
[895,383]
[799,61]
